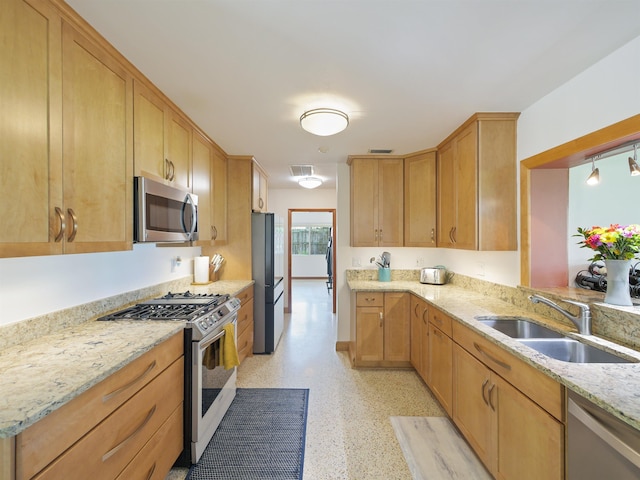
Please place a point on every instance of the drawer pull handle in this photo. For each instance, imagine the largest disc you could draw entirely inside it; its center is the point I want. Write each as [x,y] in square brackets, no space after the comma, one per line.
[109,396]
[152,471]
[115,449]
[506,366]
[484,397]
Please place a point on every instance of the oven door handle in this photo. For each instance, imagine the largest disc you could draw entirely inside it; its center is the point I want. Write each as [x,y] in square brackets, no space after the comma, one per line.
[204,344]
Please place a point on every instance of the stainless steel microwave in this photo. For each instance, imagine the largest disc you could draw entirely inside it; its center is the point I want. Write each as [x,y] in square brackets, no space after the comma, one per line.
[163,213]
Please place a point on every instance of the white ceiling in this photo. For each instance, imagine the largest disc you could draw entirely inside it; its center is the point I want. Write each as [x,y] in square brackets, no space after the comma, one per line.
[407,72]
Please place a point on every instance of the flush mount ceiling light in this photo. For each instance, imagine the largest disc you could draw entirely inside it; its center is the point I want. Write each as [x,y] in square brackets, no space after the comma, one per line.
[634,169]
[324,121]
[310,182]
[594,177]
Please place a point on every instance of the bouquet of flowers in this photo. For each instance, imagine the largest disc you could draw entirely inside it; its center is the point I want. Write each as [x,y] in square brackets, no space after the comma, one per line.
[617,242]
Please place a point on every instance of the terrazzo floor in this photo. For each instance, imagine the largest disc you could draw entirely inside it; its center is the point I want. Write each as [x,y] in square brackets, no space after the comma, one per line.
[349,431]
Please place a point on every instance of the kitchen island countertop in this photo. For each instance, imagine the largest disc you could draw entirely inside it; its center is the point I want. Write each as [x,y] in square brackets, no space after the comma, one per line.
[615,387]
[42,374]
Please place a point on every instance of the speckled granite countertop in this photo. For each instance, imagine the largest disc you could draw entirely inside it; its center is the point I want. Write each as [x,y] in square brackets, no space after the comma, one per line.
[43,373]
[615,387]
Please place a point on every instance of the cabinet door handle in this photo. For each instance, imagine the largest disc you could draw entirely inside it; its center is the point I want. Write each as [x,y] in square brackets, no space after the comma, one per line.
[167,169]
[63,225]
[173,171]
[415,310]
[490,395]
[260,203]
[375,234]
[115,449]
[484,397]
[424,316]
[454,231]
[74,230]
[380,234]
[381,317]
[433,235]
[109,396]
[504,365]
[214,232]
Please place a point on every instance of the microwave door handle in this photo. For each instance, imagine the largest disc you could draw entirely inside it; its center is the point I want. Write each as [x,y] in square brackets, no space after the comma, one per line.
[194,215]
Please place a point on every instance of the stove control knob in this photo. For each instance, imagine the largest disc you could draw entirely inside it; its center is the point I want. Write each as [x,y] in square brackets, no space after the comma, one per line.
[204,325]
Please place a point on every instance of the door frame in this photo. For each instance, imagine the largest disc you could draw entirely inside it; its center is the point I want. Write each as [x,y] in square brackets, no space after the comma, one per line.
[332,211]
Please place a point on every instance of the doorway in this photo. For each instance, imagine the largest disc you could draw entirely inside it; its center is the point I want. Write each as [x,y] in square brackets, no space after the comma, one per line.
[328,249]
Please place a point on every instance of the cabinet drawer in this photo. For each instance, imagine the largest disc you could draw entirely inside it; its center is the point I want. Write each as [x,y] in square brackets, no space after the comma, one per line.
[245,317]
[245,295]
[155,460]
[245,343]
[38,445]
[107,449]
[540,388]
[369,299]
[440,320]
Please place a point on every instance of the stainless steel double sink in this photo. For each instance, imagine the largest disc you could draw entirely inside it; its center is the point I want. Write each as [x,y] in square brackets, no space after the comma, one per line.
[549,342]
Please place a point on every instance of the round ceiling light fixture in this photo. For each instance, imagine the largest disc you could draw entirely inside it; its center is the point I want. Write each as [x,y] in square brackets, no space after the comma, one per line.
[324,121]
[310,182]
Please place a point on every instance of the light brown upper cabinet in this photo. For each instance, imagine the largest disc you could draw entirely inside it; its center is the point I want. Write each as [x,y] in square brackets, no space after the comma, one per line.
[202,152]
[259,188]
[67,163]
[377,202]
[420,199]
[162,139]
[97,154]
[219,197]
[477,184]
[31,205]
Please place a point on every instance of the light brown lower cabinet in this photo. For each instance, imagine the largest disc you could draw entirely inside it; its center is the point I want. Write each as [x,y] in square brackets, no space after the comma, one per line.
[440,367]
[512,435]
[245,323]
[382,329]
[131,420]
[420,337]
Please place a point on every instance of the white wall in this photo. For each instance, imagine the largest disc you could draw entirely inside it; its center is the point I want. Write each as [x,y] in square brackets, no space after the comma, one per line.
[281,200]
[33,286]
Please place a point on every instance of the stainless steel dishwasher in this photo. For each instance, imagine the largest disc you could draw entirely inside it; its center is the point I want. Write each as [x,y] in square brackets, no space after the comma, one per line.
[600,445]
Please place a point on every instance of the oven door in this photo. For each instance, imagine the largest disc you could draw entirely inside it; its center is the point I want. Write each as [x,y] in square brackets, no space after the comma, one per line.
[213,389]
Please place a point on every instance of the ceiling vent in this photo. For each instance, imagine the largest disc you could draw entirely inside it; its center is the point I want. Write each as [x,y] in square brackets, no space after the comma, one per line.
[301,170]
[380,150]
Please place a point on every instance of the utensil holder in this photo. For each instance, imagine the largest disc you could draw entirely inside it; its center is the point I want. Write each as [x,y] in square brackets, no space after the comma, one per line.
[384,274]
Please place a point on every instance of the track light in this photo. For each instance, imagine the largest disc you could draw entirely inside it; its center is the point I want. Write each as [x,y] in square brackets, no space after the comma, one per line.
[634,169]
[594,177]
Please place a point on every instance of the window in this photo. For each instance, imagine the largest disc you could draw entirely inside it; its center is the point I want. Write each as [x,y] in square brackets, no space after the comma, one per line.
[309,240]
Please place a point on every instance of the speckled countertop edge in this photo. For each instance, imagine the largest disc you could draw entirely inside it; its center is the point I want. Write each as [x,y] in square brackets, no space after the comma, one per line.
[614,387]
[44,373]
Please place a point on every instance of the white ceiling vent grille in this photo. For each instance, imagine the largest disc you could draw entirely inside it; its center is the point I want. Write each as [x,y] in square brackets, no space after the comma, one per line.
[380,150]
[301,170]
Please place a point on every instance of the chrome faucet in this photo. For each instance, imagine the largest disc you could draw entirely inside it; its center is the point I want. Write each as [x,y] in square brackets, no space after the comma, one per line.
[581,321]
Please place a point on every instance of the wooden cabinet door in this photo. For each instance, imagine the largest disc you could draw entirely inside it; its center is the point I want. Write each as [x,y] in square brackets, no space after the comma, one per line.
[364,203]
[219,198]
[420,200]
[530,441]
[420,337]
[441,367]
[466,175]
[148,133]
[30,156]
[390,202]
[97,149]
[397,327]
[471,412]
[202,164]
[369,334]
[446,218]
[179,150]
[259,189]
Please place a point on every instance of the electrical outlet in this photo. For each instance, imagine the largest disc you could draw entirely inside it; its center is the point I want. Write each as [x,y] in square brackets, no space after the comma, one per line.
[480,269]
[419,262]
[355,262]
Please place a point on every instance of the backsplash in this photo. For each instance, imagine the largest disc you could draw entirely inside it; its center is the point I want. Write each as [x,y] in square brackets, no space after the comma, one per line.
[618,324]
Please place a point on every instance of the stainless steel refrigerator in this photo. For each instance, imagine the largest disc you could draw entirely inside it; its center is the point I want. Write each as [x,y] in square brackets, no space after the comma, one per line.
[267,241]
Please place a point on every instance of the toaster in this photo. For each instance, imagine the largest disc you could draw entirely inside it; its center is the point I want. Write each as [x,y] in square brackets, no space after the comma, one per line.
[433,275]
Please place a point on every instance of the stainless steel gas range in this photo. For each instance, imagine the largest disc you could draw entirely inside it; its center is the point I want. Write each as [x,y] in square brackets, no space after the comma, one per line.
[209,387]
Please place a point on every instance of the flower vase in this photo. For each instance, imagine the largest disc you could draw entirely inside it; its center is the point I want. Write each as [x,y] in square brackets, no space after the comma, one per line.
[618,282]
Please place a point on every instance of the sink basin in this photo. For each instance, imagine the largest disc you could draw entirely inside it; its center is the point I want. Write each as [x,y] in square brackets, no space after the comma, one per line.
[518,327]
[569,350]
